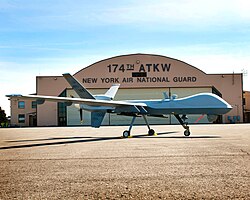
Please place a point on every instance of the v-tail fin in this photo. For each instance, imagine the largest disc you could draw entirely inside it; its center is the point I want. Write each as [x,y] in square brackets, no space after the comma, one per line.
[112,91]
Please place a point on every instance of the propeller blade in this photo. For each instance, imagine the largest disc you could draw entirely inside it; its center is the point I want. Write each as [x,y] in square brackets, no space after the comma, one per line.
[81,115]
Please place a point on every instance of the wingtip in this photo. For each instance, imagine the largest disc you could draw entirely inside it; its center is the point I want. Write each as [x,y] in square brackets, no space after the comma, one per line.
[13,95]
[65,74]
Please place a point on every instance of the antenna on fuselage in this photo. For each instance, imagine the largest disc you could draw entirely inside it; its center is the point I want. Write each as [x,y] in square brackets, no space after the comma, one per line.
[165,95]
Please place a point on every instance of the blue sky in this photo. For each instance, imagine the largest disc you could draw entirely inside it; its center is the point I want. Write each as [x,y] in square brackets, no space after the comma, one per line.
[44,37]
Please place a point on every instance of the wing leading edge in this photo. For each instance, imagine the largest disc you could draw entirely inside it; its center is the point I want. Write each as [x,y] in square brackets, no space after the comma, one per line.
[89,102]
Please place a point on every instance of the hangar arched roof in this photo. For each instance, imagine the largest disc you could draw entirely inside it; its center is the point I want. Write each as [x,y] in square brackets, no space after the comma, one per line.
[141,70]
[141,54]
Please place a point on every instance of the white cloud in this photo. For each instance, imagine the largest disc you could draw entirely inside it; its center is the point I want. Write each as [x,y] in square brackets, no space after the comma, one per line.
[193,13]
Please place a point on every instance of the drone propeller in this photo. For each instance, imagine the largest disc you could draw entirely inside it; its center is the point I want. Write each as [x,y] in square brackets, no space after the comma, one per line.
[81,115]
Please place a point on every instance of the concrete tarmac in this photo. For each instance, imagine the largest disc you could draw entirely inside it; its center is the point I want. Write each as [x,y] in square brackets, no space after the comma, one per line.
[87,163]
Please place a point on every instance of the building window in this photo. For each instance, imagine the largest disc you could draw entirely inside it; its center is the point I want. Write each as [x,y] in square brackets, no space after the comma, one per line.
[33,104]
[21,118]
[21,104]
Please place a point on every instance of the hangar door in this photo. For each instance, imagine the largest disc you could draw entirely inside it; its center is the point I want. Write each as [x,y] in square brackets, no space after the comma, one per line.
[73,115]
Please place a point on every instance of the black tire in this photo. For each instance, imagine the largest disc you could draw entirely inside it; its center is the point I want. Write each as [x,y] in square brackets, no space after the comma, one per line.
[126,134]
[187,133]
[151,132]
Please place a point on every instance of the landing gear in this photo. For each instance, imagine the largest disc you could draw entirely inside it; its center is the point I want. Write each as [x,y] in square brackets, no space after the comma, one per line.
[183,123]
[126,133]
[150,131]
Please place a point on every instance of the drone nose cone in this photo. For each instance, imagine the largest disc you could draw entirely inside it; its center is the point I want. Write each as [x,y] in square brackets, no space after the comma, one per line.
[228,107]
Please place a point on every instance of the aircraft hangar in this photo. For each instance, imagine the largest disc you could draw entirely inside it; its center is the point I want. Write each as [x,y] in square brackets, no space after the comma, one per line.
[141,76]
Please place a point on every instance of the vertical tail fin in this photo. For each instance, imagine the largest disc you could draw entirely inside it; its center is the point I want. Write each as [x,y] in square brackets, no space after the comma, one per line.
[112,91]
[78,87]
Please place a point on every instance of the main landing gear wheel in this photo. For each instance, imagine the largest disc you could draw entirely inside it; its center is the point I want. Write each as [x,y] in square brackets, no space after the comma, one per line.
[187,132]
[151,132]
[126,134]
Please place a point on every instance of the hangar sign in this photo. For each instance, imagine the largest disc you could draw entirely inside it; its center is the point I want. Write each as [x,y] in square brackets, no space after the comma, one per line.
[140,73]
[158,67]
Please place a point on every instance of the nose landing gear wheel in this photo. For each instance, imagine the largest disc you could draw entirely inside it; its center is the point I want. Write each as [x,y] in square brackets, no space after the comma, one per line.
[187,132]
[151,132]
[126,134]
